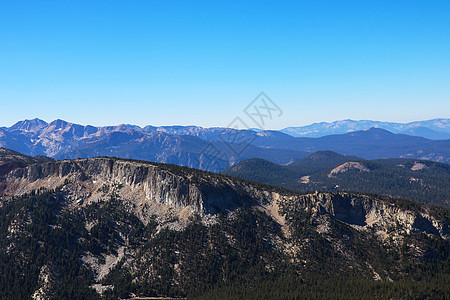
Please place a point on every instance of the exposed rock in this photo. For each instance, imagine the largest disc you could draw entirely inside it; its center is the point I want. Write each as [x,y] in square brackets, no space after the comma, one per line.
[102,269]
[348,166]
[100,288]
[151,189]
[45,284]
[304,179]
[418,166]
[364,212]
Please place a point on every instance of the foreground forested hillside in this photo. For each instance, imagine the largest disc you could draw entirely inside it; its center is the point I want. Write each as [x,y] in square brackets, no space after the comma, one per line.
[115,228]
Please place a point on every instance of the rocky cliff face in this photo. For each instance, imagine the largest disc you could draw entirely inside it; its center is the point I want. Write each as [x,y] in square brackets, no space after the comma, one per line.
[368,212]
[159,188]
[167,188]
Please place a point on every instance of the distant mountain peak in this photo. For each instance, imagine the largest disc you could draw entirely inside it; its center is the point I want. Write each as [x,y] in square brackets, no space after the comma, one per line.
[377,130]
[58,123]
[29,125]
[372,132]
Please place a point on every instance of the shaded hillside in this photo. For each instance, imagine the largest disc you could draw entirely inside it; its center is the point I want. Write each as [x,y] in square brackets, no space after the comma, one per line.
[321,160]
[417,180]
[10,160]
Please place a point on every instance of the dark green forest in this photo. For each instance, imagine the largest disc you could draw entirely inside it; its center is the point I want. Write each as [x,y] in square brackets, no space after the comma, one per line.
[389,177]
[235,258]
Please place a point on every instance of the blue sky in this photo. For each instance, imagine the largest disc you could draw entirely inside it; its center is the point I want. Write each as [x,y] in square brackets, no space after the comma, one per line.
[201,63]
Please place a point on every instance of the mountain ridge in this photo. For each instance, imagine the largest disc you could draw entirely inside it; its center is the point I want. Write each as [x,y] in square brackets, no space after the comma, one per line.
[116,227]
[432,129]
[212,149]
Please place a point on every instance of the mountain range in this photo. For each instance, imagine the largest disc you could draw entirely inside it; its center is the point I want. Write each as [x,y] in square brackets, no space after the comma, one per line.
[109,228]
[212,149]
[436,129]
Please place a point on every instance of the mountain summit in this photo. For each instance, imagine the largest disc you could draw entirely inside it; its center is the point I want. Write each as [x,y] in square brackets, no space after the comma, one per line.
[29,125]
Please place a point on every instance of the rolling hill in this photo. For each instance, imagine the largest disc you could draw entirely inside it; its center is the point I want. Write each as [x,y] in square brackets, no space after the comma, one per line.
[418,180]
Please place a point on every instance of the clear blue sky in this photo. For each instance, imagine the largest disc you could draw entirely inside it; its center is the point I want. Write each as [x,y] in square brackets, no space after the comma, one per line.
[191,62]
